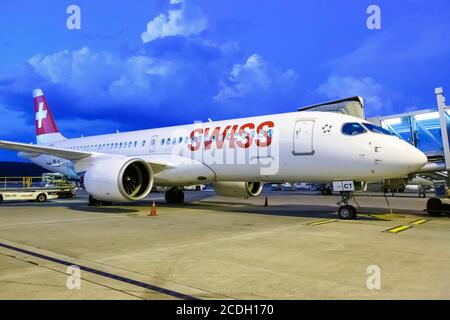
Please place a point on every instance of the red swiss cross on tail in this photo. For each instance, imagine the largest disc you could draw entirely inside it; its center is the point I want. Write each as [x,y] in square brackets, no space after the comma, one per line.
[46,130]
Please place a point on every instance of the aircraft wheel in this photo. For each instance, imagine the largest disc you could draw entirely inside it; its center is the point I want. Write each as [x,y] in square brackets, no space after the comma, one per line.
[174,195]
[180,196]
[422,195]
[347,212]
[94,202]
[1,198]
[41,198]
[434,207]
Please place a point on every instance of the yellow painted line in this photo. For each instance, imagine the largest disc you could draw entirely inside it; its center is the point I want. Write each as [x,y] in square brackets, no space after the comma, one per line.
[398,229]
[319,222]
[420,221]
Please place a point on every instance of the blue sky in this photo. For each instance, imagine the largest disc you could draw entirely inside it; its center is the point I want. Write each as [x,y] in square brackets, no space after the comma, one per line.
[150,63]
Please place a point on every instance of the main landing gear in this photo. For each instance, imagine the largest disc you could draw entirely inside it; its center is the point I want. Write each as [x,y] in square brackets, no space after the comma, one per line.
[174,195]
[346,211]
[97,203]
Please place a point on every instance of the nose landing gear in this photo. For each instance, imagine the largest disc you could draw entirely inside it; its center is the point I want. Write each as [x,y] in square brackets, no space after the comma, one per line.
[346,211]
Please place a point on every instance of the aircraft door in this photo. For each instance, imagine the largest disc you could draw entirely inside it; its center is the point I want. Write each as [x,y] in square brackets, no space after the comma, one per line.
[153,142]
[303,137]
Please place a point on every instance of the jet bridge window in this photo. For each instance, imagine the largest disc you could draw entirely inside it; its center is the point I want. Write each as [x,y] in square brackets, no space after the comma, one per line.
[376,129]
[352,129]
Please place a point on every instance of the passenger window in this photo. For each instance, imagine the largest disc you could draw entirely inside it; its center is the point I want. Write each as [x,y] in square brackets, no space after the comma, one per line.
[162,141]
[168,141]
[352,129]
[376,129]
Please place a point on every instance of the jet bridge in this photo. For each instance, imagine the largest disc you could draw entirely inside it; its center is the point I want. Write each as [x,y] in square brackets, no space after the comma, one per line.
[353,106]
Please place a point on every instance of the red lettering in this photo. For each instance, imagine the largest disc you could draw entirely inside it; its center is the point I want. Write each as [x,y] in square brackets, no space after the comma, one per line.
[195,144]
[267,137]
[232,140]
[245,135]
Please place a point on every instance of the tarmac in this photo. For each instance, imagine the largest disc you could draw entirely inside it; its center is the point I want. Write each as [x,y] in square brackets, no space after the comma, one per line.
[214,247]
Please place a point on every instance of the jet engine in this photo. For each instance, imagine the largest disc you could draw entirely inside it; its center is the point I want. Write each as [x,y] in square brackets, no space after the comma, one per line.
[238,188]
[118,179]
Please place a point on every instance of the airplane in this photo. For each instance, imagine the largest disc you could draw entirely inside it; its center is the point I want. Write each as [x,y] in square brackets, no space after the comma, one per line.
[237,156]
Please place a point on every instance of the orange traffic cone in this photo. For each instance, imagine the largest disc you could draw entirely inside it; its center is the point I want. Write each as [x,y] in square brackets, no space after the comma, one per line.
[153,210]
[266,202]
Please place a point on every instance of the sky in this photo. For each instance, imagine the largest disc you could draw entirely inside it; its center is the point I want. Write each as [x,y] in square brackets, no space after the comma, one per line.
[151,63]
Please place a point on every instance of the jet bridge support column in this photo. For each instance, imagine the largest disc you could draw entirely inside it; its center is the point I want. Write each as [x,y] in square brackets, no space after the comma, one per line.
[443,123]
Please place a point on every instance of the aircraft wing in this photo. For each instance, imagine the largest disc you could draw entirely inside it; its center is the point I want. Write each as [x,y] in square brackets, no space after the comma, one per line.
[38,149]
[157,166]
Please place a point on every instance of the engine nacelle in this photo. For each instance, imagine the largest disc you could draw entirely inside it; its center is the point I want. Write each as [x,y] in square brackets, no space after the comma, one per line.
[118,179]
[238,188]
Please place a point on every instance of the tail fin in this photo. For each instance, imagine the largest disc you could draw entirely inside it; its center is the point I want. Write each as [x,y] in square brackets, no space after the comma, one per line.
[46,130]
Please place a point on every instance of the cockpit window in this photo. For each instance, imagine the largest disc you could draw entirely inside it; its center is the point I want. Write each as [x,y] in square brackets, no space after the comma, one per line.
[376,129]
[352,128]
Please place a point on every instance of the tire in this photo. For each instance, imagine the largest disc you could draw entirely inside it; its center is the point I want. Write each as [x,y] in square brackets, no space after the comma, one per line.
[1,198]
[434,207]
[174,196]
[169,196]
[94,202]
[347,212]
[41,197]
[179,196]
[422,195]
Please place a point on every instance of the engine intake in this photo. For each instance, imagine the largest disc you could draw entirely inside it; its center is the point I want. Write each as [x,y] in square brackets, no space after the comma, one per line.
[118,179]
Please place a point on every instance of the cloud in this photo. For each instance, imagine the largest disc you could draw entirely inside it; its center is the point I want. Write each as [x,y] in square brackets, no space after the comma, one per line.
[105,76]
[255,78]
[13,123]
[367,87]
[148,85]
[401,44]
[182,21]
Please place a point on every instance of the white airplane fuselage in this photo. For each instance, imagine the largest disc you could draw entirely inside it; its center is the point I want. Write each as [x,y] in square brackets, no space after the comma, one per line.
[297,146]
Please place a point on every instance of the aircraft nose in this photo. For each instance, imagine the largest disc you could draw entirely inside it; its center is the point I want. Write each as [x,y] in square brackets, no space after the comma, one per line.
[400,158]
[413,158]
